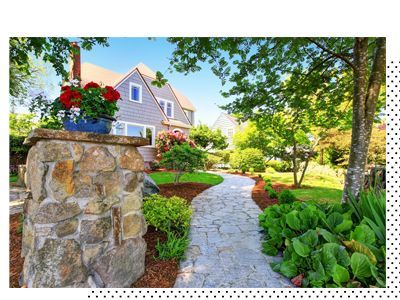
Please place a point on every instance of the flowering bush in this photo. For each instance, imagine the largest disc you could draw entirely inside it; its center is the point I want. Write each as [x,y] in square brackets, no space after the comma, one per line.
[166,139]
[90,101]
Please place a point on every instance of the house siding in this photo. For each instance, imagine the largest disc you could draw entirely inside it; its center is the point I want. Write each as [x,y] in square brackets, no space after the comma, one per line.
[147,112]
[166,93]
[224,123]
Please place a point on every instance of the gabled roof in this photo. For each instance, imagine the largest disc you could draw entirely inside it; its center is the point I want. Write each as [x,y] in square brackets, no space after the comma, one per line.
[91,72]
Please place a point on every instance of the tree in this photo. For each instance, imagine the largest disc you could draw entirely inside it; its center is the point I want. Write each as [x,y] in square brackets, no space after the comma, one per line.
[53,50]
[183,158]
[208,139]
[246,159]
[263,139]
[330,69]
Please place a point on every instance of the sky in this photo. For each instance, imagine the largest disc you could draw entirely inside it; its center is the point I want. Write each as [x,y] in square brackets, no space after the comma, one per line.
[202,88]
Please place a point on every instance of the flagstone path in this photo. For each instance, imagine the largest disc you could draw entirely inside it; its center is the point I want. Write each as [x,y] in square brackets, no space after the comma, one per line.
[225,246]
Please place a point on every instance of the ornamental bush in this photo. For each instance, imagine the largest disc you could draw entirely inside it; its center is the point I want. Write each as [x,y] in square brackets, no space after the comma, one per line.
[212,160]
[246,159]
[169,215]
[165,140]
[279,166]
[286,196]
[183,158]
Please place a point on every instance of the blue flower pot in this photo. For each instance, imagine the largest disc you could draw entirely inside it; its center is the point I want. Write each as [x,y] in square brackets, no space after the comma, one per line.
[101,124]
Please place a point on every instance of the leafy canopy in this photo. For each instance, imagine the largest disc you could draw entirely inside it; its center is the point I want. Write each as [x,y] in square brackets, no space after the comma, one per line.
[183,158]
[53,50]
[207,138]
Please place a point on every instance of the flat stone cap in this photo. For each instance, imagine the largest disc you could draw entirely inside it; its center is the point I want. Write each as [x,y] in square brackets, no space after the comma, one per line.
[78,136]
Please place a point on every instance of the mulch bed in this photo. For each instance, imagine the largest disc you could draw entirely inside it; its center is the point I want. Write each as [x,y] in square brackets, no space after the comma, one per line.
[163,273]
[259,195]
[185,190]
[16,261]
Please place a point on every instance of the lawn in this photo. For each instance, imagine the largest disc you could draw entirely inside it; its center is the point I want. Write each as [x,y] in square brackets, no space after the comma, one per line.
[199,177]
[321,183]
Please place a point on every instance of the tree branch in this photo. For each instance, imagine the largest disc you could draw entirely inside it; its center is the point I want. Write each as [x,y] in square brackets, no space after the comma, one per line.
[337,55]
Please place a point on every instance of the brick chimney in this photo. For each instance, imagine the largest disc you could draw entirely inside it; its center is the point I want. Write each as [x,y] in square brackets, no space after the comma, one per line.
[75,65]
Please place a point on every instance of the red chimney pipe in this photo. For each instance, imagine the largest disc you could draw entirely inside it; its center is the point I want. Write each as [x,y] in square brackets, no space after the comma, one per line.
[75,67]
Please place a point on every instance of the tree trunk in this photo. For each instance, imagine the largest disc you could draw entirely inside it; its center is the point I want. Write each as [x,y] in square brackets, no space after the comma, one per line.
[294,157]
[366,93]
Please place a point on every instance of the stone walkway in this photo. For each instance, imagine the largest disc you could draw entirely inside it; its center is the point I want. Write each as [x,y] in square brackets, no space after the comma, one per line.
[225,247]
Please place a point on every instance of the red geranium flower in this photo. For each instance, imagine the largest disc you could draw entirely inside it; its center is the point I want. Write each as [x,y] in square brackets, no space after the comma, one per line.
[110,94]
[91,85]
[70,98]
[65,88]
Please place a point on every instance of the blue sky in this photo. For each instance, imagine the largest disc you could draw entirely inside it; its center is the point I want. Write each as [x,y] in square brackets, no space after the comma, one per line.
[202,87]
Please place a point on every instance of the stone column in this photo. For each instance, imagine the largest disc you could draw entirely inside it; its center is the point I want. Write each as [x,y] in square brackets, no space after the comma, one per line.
[83,226]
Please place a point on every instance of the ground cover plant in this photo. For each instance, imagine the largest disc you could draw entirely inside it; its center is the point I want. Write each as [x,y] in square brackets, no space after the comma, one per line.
[328,245]
[199,177]
[171,216]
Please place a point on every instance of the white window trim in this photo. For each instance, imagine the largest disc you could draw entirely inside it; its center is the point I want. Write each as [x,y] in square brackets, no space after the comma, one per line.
[130,92]
[165,108]
[153,139]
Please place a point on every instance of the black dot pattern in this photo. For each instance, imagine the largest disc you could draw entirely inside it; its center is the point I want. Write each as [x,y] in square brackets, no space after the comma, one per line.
[392,234]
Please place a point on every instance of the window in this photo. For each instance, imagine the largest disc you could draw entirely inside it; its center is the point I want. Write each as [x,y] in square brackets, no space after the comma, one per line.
[135,92]
[167,106]
[177,130]
[134,129]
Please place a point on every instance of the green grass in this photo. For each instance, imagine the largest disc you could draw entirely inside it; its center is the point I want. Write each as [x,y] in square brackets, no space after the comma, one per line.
[199,177]
[13,178]
[321,184]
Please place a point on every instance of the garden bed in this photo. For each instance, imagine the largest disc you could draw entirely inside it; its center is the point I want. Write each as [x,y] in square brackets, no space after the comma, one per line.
[16,261]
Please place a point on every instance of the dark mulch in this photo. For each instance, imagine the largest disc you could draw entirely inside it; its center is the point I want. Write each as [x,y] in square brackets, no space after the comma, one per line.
[163,273]
[186,190]
[16,261]
[259,195]
[158,273]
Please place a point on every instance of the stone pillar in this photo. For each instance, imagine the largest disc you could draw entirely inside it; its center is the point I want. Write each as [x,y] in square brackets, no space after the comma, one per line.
[83,226]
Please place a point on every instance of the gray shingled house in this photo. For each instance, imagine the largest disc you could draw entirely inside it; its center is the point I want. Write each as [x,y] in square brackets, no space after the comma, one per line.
[144,109]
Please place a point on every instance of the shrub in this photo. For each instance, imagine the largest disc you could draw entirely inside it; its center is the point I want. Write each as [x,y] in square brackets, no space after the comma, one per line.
[167,139]
[170,215]
[311,238]
[270,170]
[251,170]
[248,158]
[183,158]
[286,196]
[271,192]
[174,247]
[154,165]
[212,160]
[279,166]
[268,180]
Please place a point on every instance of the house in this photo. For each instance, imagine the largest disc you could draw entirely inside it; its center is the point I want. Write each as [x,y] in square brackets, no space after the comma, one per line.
[144,109]
[228,125]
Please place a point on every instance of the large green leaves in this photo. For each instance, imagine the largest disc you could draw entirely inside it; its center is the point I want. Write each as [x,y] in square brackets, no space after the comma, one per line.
[360,265]
[340,274]
[301,248]
[359,247]
[293,221]
[364,234]
[288,269]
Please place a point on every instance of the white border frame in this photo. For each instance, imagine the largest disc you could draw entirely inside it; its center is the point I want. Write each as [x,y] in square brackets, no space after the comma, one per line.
[130,92]
[153,138]
[165,108]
